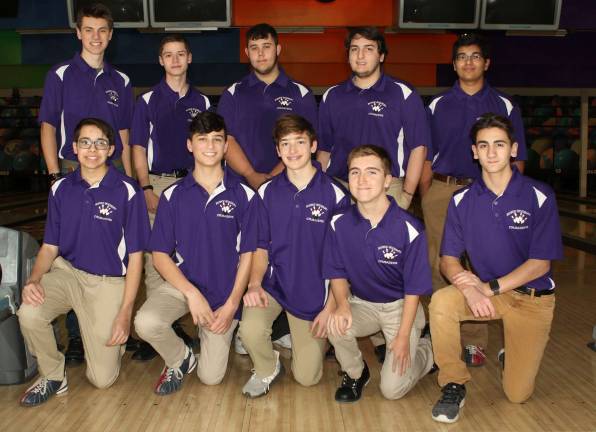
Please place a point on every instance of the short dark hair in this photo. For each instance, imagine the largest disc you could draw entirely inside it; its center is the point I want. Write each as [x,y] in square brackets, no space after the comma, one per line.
[175,37]
[468,39]
[292,123]
[370,33]
[95,10]
[371,150]
[261,31]
[206,122]
[491,120]
[103,126]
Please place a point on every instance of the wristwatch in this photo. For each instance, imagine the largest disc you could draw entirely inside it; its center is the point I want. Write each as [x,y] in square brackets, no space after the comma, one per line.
[494,286]
[148,187]
[54,177]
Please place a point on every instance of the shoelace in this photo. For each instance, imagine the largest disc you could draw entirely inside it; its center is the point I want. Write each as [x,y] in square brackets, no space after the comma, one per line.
[347,381]
[171,371]
[473,349]
[266,380]
[451,394]
[42,387]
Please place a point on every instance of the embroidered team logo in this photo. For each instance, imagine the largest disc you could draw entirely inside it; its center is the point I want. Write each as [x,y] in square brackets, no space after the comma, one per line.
[519,219]
[388,254]
[192,112]
[104,210]
[316,212]
[113,97]
[226,208]
[284,103]
[376,108]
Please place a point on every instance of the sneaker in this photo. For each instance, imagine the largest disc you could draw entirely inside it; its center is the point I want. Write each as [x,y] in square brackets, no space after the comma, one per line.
[501,358]
[75,353]
[194,343]
[446,410]
[257,386]
[170,380]
[42,390]
[350,390]
[144,352]
[474,356]
[284,342]
[238,346]
[381,352]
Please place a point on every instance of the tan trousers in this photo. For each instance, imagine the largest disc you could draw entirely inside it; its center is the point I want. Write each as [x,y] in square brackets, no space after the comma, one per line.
[308,352]
[434,206]
[369,318]
[153,323]
[96,300]
[526,323]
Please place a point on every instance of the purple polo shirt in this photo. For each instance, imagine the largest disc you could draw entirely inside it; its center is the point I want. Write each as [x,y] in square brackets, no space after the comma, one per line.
[205,234]
[292,226]
[382,263]
[160,125]
[73,90]
[97,227]
[500,233]
[390,114]
[251,107]
[451,116]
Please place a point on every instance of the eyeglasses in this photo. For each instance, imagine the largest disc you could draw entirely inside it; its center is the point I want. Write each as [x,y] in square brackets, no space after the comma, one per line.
[462,57]
[99,143]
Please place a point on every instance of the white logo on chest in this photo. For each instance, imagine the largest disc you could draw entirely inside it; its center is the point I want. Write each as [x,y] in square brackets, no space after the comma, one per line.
[226,208]
[192,112]
[376,108]
[519,219]
[284,103]
[388,254]
[317,212]
[113,97]
[104,210]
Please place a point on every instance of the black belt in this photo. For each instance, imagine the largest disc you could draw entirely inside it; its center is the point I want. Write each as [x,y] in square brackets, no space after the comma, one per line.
[176,173]
[532,291]
[460,181]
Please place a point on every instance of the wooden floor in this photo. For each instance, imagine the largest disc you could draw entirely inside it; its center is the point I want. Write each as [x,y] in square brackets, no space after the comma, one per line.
[565,397]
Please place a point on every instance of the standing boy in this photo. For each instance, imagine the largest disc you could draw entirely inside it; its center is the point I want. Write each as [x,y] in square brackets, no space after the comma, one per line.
[286,272]
[509,227]
[376,259]
[203,237]
[95,205]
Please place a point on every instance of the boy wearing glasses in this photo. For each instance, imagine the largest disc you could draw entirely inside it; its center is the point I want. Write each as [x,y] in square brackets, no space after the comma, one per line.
[451,116]
[90,261]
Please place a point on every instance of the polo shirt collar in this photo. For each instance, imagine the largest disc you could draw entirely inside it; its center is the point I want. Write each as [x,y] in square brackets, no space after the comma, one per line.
[282,79]
[315,179]
[479,95]
[109,180]
[378,86]
[392,213]
[167,90]
[227,182]
[84,66]
[514,187]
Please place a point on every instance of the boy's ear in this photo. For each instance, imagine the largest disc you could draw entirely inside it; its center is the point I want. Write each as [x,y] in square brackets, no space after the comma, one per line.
[313,146]
[74,147]
[189,144]
[111,150]
[475,151]
[514,148]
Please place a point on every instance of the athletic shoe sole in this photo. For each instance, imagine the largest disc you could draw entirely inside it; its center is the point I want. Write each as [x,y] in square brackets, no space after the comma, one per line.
[442,418]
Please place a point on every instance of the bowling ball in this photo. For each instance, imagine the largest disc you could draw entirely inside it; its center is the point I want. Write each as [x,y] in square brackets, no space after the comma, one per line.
[23,161]
[566,160]
[546,158]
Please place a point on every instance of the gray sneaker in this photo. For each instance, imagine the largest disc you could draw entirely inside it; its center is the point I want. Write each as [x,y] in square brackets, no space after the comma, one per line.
[257,386]
[446,410]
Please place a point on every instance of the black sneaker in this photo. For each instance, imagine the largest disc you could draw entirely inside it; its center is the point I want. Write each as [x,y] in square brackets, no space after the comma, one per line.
[42,390]
[75,353]
[188,340]
[132,344]
[501,358]
[380,352]
[170,380]
[144,352]
[446,410]
[350,390]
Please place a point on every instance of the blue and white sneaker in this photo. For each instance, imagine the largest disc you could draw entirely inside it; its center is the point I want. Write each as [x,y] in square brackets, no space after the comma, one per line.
[42,390]
[170,380]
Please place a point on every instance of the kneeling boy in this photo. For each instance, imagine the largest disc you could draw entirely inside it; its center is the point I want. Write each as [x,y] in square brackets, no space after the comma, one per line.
[203,237]
[90,261]
[509,227]
[381,250]
[296,206]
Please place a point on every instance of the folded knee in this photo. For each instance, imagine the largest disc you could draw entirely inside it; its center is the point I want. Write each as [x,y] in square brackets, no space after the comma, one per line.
[102,379]
[307,378]
[444,300]
[148,324]
[518,395]
[29,316]
[212,379]
[393,391]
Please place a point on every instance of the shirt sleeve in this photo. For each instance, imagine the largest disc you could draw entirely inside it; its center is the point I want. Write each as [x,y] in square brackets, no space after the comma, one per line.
[520,135]
[417,276]
[453,240]
[325,131]
[52,228]
[136,229]
[546,243]
[430,154]
[139,134]
[126,108]
[249,226]
[227,109]
[163,236]
[51,101]
[309,110]
[264,231]
[416,129]
[333,265]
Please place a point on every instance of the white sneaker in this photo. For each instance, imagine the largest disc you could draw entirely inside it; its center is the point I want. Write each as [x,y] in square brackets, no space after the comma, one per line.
[238,346]
[284,342]
[257,386]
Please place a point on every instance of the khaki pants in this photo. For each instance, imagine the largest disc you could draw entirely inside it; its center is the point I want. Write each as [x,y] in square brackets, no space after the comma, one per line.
[526,322]
[153,323]
[308,352]
[152,277]
[369,318]
[434,206]
[96,300]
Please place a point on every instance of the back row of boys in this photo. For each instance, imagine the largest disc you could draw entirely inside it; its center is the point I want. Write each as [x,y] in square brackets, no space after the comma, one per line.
[298,231]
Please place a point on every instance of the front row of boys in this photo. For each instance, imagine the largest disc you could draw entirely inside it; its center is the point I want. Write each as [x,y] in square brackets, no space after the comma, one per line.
[284,243]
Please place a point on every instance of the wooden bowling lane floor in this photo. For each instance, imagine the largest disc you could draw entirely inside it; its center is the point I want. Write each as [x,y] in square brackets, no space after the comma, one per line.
[564,400]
